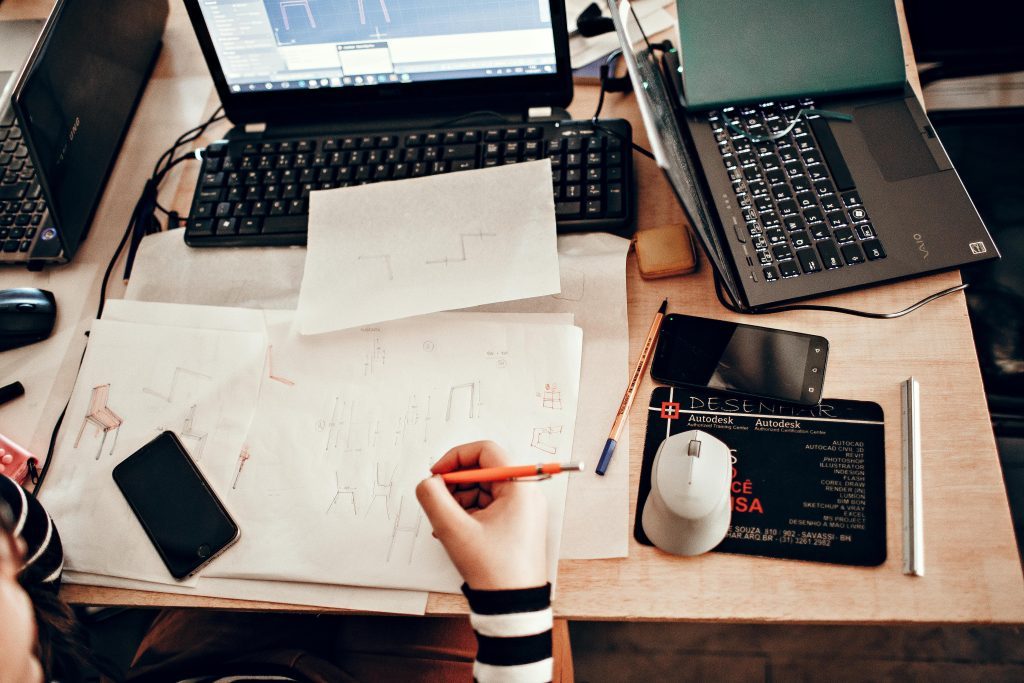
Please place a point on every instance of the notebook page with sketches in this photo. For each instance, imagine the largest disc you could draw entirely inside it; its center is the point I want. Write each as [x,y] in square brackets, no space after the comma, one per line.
[344,432]
[388,251]
[135,382]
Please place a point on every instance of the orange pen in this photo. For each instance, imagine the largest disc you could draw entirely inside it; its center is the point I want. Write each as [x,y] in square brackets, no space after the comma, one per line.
[484,474]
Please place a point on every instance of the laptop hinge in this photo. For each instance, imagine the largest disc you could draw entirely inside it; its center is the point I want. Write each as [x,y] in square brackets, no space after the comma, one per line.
[256,127]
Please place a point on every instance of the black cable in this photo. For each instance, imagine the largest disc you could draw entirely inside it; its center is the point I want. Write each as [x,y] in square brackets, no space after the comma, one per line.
[731,305]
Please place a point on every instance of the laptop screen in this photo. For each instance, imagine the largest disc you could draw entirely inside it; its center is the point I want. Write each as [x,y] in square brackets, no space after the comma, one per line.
[667,137]
[273,45]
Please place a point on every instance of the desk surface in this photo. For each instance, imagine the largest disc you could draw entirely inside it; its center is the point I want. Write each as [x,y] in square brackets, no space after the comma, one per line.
[973,570]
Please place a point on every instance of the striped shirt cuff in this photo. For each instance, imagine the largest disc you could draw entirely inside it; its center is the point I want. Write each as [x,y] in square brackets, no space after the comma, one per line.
[513,630]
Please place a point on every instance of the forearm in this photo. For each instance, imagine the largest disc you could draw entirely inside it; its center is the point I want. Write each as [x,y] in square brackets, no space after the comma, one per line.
[513,629]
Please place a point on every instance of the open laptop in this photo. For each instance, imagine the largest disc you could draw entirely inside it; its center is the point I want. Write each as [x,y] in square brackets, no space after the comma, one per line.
[332,93]
[829,205]
[62,124]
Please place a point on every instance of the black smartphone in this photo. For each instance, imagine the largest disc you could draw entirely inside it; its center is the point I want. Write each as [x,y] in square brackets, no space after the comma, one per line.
[175,505]
[776,364]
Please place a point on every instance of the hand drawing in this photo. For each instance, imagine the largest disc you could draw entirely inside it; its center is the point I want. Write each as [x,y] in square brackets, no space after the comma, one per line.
[382,487]
[551,397]
[340,491]
[102,416]
[460,391]
[462,256]
[176,380]
[304,5]
[375,355]
[544,439]
[407,522]
[270,369]
[186,432]
[243,457]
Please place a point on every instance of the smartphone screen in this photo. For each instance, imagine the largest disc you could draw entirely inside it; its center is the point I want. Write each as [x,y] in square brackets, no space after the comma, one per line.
[176,506]
[759,361]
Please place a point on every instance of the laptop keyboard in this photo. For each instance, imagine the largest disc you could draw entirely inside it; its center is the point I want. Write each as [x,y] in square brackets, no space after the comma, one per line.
[257,192]
[22,208]
[801,207]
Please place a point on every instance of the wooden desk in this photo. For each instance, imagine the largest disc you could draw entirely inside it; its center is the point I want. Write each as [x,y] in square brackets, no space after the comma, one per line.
[973,571]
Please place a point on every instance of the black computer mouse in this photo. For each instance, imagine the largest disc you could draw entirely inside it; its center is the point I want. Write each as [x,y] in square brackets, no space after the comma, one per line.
[26,316]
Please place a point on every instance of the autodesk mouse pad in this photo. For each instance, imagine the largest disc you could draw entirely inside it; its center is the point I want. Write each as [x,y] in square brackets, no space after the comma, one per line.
[808,482]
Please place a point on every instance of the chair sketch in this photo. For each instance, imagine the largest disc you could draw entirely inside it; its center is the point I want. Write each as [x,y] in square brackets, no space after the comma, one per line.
[362,12]
[299,4]
[403,525]
[382,489]
[188,433]
[100,414]
[340,491]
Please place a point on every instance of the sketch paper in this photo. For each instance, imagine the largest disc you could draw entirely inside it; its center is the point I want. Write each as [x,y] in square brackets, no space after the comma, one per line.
[287,593]
[327,476]
[181,315]
[388,251]
[593,279]
[135,382]
[594,289]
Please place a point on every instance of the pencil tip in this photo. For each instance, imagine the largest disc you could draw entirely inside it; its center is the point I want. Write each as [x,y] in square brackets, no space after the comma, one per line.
[664,306]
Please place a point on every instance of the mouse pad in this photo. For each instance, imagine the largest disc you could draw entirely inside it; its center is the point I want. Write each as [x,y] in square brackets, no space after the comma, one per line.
[808,482]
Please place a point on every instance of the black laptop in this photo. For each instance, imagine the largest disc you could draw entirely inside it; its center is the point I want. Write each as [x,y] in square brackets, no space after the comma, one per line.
[61,130]
[795,198]
[332,93]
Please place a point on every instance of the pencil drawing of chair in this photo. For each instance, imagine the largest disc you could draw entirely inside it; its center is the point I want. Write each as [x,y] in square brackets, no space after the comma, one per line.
[102,416]
[382,489]
[301,4]
[404,526]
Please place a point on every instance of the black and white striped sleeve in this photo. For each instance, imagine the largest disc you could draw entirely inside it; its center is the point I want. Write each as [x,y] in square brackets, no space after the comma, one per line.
[513,632]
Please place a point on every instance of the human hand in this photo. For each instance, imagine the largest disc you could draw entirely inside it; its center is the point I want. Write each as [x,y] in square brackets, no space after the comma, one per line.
[496,532]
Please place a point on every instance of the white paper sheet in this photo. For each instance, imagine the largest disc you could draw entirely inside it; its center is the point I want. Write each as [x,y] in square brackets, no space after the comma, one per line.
[135,382]
[287,593]
[593,274]
[594,289]
[353,423]
[388,251]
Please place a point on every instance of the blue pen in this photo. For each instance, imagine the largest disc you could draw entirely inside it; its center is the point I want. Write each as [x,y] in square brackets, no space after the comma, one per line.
[627,400]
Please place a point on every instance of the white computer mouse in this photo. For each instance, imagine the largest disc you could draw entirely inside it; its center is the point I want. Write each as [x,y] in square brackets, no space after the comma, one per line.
[687,511]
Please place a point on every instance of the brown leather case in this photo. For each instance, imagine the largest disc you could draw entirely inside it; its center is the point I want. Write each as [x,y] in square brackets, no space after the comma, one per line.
[665,250]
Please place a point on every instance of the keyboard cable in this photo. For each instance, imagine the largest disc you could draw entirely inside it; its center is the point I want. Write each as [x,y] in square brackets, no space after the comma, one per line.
[144,212]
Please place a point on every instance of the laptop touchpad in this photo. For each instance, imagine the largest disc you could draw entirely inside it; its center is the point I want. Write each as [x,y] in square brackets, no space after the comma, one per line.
[895,140]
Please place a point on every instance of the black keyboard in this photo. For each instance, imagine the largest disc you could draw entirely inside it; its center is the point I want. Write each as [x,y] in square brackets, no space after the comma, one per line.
[800,204]
[23,211]
[256,192]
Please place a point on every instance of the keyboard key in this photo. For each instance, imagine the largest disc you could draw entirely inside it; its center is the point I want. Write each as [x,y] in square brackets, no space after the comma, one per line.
[614,200]
[800,184]
[593,207]
[824,187]
[567,209]
[764,257]
[813,215]
[800,239]
[227,226]
[769,219]
[770,274]
[276,225]
[829,254]
[11,246]
[806,200]
[809,260]
[873,248]
[781,252]
[851,199]
[852,254]
[844,235]
[865,230]
[250,226]
[203,211]
[836,219]
[831,203]
[788,269]
[793,223]
[787,208]
[775,177]
[775,236]
[858,214]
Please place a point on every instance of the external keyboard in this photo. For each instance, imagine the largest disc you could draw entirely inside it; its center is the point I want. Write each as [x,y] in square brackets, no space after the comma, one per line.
[23,211]
[256,192]
[800,204]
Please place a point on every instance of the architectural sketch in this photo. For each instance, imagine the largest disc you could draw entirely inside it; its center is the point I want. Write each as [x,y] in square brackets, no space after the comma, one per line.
[383,259]
[407,523]
[100,414]
[188,432]
[545,439]
[375,355]
[332,425]
[551,397]
[462,255]
[340,491]
[243,457]
[457,392]
[302,5]
[382,488]
[270,369]
[383,8]
[177,378]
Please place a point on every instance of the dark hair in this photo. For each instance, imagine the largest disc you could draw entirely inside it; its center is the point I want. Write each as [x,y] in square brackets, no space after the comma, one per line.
[62,644]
